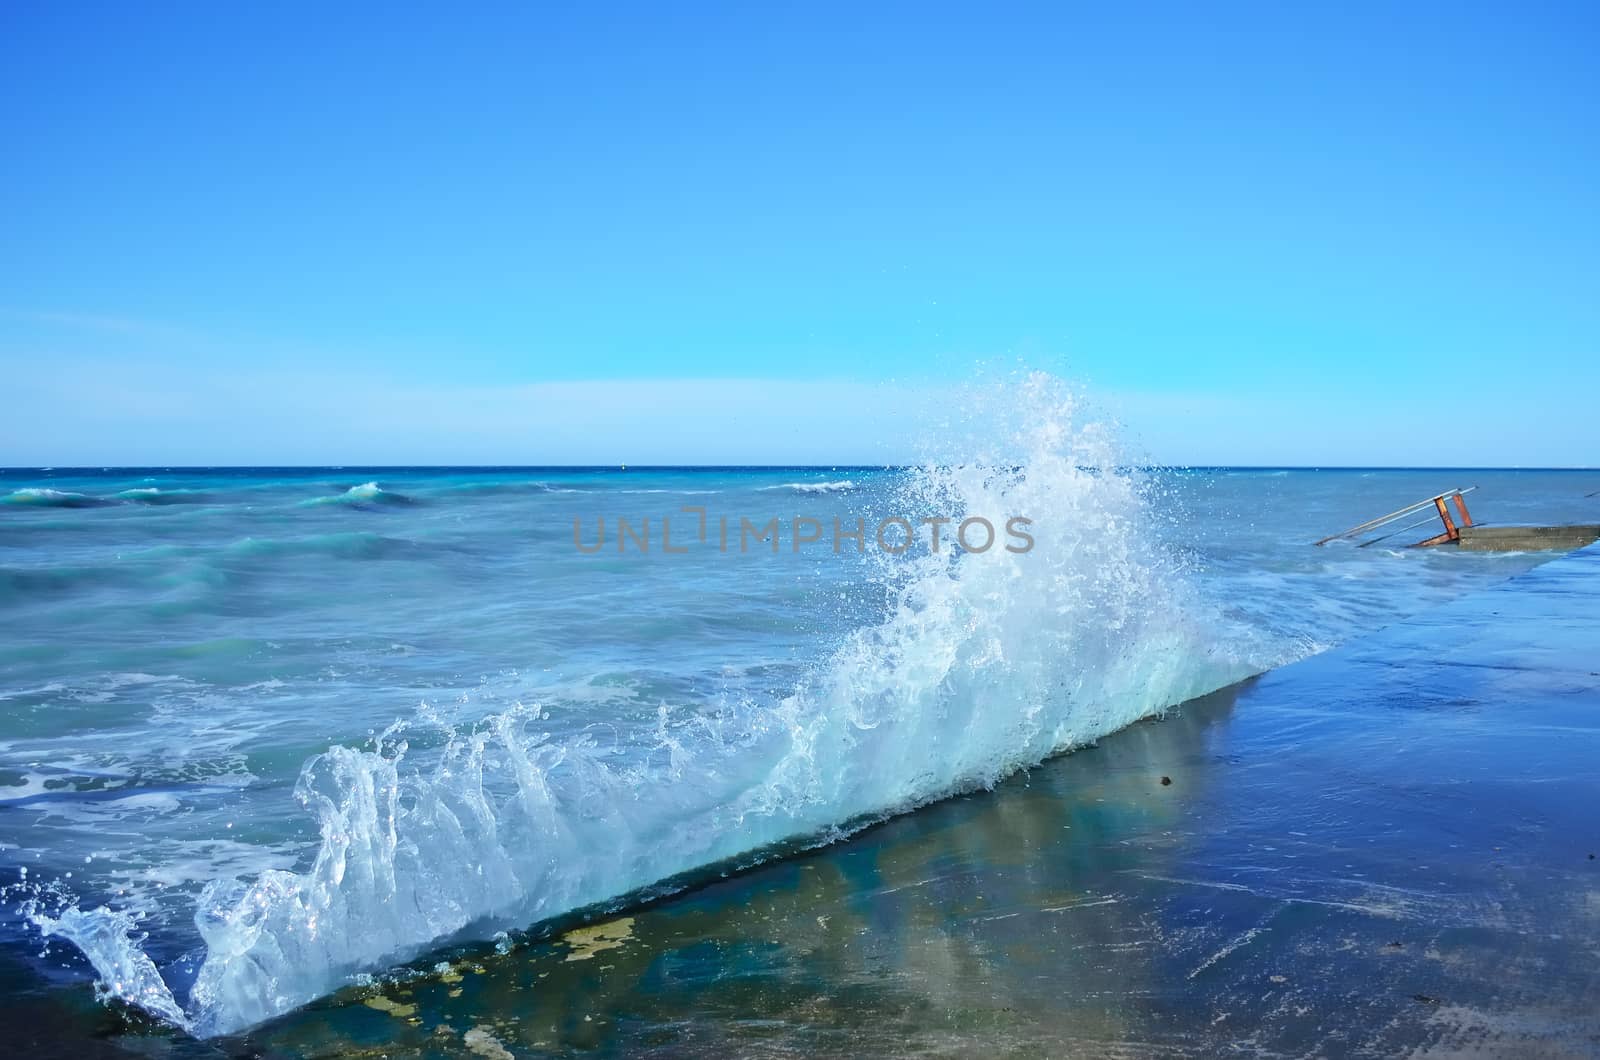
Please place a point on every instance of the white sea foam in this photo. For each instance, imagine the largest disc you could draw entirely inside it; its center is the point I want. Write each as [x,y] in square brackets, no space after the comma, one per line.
[367,491]
[843,486]
[30,786]
[985,663]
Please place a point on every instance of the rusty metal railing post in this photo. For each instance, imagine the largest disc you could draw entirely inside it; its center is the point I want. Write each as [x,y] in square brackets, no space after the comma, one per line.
[1450,531]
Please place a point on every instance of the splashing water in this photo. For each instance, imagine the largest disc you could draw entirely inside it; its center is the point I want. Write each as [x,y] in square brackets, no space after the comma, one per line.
[984,663]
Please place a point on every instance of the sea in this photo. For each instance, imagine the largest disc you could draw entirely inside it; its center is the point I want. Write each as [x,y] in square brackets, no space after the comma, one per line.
[269,732]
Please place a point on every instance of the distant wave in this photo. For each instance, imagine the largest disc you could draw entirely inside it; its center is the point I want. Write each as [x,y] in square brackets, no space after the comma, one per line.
[44,497]
[678,492]
[342,546]
[49,498]
[842,486]
[150,569]
[601,489]
[154,496]
[30,583]
[366,495]
[490,489]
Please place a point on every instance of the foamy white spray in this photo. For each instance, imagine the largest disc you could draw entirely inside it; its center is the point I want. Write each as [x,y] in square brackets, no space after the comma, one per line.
[985,663]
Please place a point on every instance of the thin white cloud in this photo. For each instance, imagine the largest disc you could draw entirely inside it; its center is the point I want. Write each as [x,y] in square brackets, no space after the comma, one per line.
[66,411]
[117,413]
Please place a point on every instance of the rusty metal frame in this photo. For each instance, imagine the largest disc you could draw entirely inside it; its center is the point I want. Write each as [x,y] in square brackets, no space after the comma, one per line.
[1452,531]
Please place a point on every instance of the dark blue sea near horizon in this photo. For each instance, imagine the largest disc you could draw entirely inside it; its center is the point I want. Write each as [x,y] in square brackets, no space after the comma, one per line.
[264,731]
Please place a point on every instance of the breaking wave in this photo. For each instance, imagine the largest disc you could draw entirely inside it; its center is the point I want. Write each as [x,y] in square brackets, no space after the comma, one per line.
[366,495]
[981,665]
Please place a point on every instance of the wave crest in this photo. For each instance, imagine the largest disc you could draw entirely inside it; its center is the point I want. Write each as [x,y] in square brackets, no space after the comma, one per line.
[37,497]
[366,495]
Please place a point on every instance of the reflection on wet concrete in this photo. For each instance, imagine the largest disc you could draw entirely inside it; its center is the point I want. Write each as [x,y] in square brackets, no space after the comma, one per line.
[1385,850]
[1004,918]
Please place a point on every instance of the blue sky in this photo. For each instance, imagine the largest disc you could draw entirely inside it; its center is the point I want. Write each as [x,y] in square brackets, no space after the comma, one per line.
[1273,233]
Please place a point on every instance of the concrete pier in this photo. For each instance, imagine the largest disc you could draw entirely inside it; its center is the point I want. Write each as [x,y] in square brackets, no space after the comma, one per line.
[1527,538]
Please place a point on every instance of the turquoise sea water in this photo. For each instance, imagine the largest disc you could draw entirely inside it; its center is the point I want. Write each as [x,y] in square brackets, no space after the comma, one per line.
[266,730]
